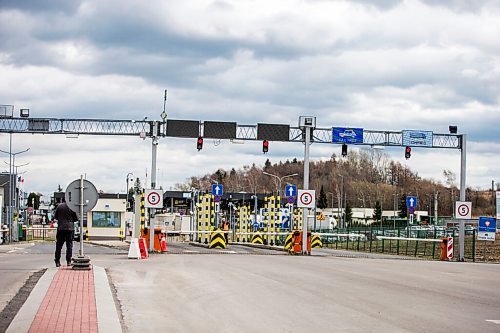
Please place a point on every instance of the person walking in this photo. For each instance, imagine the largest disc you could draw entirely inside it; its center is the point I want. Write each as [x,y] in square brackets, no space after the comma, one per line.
[65,218]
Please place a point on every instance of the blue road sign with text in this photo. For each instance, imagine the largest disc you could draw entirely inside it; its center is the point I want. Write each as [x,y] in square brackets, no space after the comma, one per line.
[217,189]
[487,224]
[291,190]
[347,135]
[411,201]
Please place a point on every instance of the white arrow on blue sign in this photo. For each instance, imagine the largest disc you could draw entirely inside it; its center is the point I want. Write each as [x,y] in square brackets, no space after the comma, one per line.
[411,201]
[217,189]
[291,190]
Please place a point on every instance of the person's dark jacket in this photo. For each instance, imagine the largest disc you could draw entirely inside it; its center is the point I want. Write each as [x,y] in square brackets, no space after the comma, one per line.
[65,217]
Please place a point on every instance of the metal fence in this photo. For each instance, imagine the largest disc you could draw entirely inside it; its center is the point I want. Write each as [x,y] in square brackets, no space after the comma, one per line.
[366,240]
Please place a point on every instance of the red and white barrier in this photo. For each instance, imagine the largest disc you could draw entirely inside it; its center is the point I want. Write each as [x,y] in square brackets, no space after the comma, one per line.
[449,249]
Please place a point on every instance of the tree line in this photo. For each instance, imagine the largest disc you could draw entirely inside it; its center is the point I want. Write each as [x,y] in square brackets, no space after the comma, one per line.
[364,177]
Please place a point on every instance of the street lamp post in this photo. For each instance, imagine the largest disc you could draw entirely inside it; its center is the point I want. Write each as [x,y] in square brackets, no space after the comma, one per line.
[12,157]
[280,179]
[126,200]
[128,175]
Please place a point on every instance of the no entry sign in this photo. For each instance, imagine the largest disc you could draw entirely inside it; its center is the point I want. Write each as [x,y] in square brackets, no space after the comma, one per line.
[153,198]
[306,199]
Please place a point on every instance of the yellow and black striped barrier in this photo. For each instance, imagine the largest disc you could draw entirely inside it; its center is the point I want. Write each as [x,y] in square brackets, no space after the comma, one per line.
[288,242]
[217,240]
[86,234]
[143,212]
[121,234]
[257,238]
[316,242]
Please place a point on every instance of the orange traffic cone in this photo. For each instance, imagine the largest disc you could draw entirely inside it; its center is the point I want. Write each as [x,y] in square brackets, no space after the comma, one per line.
[163,244]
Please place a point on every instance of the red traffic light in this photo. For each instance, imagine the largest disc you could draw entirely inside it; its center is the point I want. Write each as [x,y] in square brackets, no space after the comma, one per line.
[407,152]
[265,146]
[199,143]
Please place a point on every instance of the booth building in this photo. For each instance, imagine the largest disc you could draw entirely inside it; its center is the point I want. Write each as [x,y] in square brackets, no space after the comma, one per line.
[107,219]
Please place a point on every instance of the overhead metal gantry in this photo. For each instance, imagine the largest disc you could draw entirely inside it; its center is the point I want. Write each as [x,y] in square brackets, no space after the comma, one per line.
[304,133]
[145,128]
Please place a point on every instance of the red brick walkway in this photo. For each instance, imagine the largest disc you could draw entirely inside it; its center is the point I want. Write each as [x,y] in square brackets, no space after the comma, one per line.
[69,305]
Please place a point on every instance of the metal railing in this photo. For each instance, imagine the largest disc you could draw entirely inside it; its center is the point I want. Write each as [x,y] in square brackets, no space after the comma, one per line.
[406,242]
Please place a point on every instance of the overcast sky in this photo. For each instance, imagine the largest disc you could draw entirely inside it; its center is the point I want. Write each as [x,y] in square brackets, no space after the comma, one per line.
[378,65]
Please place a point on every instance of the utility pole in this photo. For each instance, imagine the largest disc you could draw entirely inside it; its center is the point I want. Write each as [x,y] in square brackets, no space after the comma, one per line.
[463,160]
[13,234]
[307,124]
[154,148]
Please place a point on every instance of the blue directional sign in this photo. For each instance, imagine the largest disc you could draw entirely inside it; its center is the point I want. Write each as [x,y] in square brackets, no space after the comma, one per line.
[291,190]
[411,201]
[217,189]
[347,135]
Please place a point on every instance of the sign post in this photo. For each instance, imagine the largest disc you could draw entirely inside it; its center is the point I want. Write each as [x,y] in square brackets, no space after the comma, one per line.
[486,230]
[81,196]
[411,203]
[153,199]
[217,192]
[463,210]
[291,195]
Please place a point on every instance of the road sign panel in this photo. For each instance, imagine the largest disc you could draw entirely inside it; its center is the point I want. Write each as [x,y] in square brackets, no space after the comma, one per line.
[417,138]
[290,190]
[153,198]
[306,199]
[411,201]
[463,210]
[291,200]
[72,196]
[217,189]
[411,210]
[487,228]
[347,135]
[217,198]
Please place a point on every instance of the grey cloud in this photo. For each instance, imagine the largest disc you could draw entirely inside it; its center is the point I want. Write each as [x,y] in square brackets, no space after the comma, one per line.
[35,6]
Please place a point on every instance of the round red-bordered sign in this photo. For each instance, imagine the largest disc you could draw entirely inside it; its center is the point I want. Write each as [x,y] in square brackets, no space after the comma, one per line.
[463,210]
[306,198]
[153,198]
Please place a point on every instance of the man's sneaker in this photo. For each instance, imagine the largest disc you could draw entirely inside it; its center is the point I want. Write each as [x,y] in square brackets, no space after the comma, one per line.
[58,263]
[69,263]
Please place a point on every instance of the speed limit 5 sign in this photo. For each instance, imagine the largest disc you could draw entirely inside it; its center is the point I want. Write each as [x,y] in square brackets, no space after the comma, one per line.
[153,198]
[306,199]
[463,210]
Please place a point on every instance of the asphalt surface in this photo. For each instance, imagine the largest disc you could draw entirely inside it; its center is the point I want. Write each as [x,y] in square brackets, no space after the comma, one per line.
[243,289]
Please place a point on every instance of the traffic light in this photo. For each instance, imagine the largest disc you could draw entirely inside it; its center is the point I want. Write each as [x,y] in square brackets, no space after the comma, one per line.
[199,143]
[408,152]
[265,146]
[344,150]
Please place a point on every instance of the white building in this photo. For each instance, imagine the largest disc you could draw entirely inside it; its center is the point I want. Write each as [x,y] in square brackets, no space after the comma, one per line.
[107,218]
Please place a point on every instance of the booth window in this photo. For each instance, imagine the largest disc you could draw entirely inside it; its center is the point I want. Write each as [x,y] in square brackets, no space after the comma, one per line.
[106,219]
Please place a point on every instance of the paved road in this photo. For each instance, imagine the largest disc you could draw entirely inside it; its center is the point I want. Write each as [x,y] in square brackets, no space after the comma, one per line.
[19,260]
[191,291]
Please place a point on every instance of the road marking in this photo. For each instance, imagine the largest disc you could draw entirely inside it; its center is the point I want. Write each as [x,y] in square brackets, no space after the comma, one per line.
[494,321]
